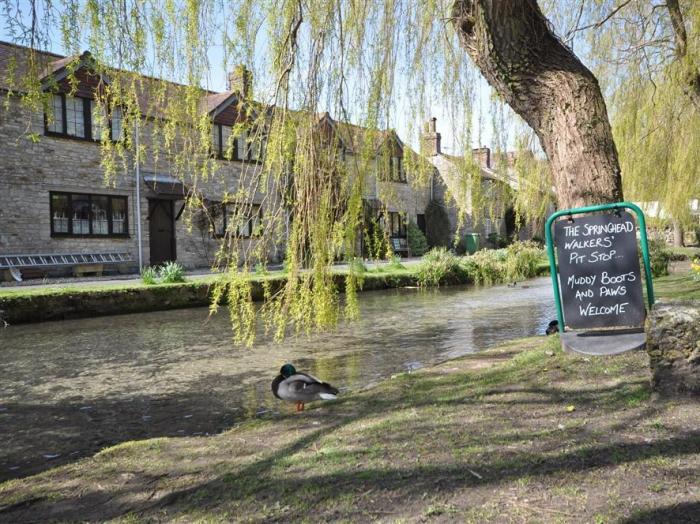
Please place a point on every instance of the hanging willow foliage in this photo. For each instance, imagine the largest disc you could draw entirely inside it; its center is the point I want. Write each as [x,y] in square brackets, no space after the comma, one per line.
[367,62]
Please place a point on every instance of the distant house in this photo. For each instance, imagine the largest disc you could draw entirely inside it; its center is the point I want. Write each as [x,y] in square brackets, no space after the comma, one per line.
[453,191]
[392,195]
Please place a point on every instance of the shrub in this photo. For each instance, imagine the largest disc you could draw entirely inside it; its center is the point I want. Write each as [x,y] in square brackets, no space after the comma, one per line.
[395,263]
[497,241]
[487,266]
[522,260]
[659,258]
[439,266]
[261,269]
[516,262]
[417,243]
[149,275]
[171,272]
[357,266]
[695,269]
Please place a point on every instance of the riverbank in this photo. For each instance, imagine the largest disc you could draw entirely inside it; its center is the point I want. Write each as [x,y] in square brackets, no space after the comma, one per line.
[518,433]
[20,305]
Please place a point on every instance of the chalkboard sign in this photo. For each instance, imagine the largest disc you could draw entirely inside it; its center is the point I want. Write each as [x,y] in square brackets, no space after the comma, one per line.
[599,276]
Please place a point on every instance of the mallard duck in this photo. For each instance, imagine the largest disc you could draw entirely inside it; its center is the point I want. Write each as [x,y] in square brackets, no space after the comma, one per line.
[552,328]
[300,387]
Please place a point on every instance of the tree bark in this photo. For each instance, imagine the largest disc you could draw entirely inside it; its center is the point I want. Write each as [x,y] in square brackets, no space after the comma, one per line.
[677,234]
[547,85]
[690,72]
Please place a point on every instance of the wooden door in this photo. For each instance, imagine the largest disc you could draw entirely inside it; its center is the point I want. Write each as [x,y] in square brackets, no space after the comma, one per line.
[161,229]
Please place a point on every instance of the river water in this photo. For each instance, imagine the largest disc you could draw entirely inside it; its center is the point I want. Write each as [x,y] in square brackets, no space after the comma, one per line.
[70,388]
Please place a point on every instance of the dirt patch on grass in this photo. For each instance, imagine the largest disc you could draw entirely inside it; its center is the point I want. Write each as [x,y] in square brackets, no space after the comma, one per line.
[522,433]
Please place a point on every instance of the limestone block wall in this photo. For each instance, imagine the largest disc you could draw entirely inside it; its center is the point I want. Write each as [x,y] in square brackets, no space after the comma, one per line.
[673,344]
[31,169]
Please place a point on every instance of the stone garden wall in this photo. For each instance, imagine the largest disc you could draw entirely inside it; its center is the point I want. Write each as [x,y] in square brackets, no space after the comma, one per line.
[673,344]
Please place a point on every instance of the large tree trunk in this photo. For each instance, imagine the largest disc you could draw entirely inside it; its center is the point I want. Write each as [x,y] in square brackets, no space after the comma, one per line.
[547,85]
[690,71]
[677,234]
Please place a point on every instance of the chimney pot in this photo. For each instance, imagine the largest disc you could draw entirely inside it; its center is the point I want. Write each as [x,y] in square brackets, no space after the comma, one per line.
[431,139]
[241,81]
[482,155]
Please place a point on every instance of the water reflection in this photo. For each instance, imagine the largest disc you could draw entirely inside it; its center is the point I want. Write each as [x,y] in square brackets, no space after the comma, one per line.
[70,388]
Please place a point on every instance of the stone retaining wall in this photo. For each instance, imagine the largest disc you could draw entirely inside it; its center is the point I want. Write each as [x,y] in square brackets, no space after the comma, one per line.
[22,309]
[673,344]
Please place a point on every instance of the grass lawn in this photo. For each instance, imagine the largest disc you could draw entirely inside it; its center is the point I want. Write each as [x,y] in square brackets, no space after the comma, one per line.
[517,434]
[521,433]
[677,286]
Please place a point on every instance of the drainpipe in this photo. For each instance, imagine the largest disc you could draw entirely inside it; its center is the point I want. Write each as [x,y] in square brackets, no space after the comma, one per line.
[138,196]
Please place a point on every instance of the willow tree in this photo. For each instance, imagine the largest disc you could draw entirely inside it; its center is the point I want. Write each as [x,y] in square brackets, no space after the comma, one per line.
[365,62]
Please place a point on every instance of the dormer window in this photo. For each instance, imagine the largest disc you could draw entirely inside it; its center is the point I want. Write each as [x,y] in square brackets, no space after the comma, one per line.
[77,117]
[222,144]
[226,146]
[397,174]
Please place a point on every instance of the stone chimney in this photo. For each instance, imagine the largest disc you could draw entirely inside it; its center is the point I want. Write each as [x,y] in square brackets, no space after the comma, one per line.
[430,141]
[482,156]
[241,80]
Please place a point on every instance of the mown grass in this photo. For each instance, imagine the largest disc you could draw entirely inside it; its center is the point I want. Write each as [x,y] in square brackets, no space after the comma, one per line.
[520,433]
[677,286]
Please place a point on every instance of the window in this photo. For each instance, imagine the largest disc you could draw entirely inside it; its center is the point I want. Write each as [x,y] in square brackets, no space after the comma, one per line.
[222,144]
[54,120]
[216,139]
[244,219]
[98,119]
[397,173]
[116,122]
[228,149]
[76,214]
[242,146]
[397,224]
[80,118]
[75,116]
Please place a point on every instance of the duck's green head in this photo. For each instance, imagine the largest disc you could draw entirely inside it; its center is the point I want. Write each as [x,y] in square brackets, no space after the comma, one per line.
[288,370]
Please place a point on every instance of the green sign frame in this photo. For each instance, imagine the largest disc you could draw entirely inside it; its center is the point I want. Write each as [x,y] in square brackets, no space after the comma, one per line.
[641,222]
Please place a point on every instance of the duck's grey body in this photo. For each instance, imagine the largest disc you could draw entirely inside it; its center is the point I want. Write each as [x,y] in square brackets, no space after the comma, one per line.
[301,387]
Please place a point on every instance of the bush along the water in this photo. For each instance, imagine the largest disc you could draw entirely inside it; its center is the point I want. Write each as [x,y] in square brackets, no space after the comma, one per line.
[417,243]
[357,265]
[659,258]
[695,269]
[439,266]
[522,260]
[149,276]
[487,266]
[171,272]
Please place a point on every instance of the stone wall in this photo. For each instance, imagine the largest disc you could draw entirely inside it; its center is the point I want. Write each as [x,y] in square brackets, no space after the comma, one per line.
[31,169]
[673,344]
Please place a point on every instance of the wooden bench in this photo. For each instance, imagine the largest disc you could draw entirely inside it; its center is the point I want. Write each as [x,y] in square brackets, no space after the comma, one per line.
[400,246]
[82,263]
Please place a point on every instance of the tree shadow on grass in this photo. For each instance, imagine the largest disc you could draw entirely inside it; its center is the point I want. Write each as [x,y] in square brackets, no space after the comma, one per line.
[261,481]
[682,513]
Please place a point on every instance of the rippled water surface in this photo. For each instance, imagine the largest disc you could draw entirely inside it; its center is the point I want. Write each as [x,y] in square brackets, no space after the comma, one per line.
[70,388]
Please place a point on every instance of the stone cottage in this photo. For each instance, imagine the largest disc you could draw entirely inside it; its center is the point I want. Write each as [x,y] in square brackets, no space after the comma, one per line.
[452,192]
[55,199]
[397,184]
[53,193]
